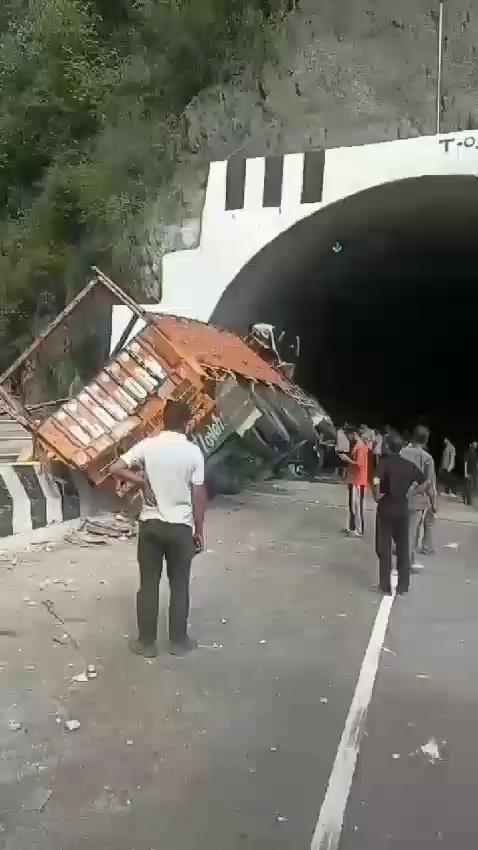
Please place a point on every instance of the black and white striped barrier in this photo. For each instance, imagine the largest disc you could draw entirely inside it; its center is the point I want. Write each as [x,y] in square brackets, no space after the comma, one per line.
[30,499]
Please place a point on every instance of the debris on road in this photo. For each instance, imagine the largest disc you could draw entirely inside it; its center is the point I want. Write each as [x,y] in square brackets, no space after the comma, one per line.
[63,640]
[390,651]
[422,676]
[324,700]
[50,607]
[80,538]
[86,675]
[432,751]
[8,558]
[282,819]
[451,545]
[110,526]
[72,725]
[15,725]
[39,799]
[81,677]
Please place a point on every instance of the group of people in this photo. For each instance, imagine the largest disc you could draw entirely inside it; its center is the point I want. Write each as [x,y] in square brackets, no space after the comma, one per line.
[404,485]
[168,469]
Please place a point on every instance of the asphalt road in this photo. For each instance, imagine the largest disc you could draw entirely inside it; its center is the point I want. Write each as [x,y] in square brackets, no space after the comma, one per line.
[232,748]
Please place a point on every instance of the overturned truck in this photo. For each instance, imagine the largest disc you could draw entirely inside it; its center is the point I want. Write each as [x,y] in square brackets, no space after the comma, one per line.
[247,414]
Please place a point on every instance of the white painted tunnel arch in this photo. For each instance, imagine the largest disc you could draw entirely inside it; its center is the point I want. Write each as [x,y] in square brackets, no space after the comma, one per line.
[195,279]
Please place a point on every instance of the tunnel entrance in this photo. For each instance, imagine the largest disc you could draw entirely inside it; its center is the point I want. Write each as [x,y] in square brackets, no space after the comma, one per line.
[382,288]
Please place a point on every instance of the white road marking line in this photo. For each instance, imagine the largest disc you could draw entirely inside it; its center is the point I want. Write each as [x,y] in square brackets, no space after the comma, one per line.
[329,826]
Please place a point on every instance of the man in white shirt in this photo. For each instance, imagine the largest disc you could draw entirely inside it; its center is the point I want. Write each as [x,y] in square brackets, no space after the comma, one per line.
[170,471]
[447,465]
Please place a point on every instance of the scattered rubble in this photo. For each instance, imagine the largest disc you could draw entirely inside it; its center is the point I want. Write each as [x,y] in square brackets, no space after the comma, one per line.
[50,607]
[110,526]
[72,725]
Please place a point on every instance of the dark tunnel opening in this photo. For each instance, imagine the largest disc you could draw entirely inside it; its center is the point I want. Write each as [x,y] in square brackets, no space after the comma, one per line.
[388,321]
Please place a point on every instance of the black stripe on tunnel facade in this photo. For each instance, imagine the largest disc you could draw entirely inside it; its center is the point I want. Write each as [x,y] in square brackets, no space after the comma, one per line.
[235,183]
[274,172]
[6,510]
[70,497]
[29,479]
[313,177]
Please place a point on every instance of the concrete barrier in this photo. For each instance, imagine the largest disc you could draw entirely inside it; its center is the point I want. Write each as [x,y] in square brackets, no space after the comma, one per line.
[30,499]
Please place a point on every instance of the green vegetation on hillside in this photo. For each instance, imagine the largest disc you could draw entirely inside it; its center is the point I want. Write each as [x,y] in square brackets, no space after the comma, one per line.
[92,94]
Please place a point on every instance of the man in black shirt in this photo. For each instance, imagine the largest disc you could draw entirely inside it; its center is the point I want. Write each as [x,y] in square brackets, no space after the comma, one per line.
[391,485]
[471,472]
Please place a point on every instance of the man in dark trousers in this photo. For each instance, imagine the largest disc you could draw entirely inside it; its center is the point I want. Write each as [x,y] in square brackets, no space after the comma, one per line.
[357,463]
[391,485]
[471,473]
[171,471]
[422,507]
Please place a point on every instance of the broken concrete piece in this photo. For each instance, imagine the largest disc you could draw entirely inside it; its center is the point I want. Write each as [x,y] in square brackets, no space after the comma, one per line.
[110,526]
[39,798]
[15,725]
[81,677]
[72,725]
[431,750]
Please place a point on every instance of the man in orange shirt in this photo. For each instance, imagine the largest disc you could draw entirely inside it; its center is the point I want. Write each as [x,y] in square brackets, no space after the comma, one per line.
[357,463]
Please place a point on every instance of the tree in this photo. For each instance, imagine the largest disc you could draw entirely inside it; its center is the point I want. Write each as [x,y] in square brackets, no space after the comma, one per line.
[91,99]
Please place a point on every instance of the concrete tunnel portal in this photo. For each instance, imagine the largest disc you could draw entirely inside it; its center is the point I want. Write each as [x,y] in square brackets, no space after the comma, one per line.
[381,288]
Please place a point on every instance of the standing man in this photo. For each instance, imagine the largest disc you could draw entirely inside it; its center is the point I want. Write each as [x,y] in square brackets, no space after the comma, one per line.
[357,463]
[471,472]
[367,435]
[342,446]
[171,524]
[447,465]
[377,450]
[391,484]
[420,503]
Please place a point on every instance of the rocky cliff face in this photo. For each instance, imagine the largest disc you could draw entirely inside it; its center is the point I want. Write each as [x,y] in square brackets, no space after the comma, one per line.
[348,72]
